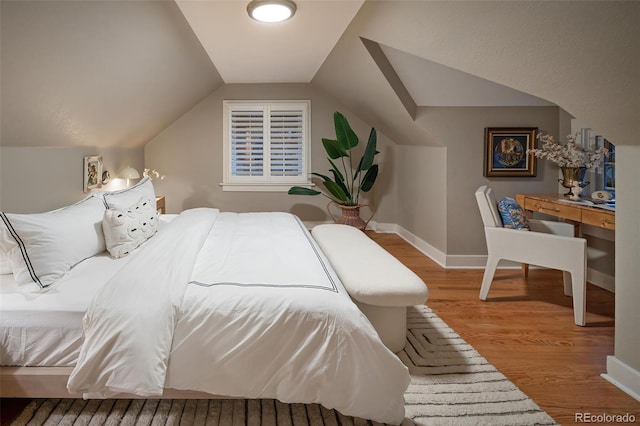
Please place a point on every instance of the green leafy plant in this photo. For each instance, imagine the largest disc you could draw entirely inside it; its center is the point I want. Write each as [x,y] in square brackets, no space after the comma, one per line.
[347,182]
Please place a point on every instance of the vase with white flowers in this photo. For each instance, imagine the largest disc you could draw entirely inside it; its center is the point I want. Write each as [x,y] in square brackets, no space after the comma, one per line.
[572,158]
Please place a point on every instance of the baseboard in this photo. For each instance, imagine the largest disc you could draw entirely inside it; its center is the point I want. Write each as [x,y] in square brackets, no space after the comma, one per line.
[623,377]
[446,261]
[382,227]
[425,248]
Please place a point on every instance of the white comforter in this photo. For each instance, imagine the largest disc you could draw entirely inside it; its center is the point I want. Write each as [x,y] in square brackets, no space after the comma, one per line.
[241,305]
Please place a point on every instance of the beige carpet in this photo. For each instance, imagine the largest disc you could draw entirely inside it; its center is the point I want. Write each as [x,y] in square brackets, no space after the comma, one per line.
[451,385]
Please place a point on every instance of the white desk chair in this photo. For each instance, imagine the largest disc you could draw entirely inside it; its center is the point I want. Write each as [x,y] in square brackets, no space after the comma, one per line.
[548,244]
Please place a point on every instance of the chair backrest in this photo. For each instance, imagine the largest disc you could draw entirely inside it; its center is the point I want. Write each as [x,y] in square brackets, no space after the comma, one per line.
[488,207]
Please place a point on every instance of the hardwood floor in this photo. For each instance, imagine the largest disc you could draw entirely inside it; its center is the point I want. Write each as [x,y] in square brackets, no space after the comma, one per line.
[525,329]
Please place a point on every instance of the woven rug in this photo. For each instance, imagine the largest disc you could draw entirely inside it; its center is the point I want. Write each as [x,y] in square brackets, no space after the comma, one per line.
[451,384]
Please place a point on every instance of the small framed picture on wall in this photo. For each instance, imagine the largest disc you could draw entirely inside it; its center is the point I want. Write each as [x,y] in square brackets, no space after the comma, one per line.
[92,173]
[505,151]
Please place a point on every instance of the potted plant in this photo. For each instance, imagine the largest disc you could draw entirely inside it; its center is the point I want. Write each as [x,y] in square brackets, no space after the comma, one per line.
[346,182]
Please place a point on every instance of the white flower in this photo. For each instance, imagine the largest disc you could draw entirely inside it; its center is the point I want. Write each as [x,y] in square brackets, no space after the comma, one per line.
[569,155]
[152,173]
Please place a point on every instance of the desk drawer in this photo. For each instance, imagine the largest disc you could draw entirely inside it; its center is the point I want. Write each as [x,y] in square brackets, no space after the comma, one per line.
[602,219]
[554,209]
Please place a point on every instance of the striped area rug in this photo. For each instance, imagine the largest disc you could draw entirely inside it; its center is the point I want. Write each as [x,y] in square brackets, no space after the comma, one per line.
[451,384]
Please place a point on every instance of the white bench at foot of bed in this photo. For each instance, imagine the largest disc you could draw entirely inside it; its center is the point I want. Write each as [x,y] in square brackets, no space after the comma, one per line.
[380,284]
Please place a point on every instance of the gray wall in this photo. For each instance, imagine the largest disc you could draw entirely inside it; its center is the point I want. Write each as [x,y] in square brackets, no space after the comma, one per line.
[448,209]
[422,193]
[591,74]
[430,195]
[97,73]
[627,339]
[189,153]
[36,179]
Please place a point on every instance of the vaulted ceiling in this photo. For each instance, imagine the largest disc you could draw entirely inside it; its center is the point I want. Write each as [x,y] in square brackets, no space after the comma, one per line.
[248,51]
[97,73]
[112,73]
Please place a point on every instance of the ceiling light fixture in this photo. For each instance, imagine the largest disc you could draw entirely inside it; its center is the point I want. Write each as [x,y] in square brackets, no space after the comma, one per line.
[271,10]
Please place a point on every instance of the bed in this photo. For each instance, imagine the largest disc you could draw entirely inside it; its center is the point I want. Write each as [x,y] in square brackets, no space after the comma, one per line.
[208,303]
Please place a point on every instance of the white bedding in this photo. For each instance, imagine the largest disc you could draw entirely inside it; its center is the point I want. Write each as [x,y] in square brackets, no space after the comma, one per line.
[45,329]
[283,326]
[260,315]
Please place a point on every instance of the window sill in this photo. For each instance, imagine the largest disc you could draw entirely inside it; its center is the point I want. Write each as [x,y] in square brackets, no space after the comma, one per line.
[262,187]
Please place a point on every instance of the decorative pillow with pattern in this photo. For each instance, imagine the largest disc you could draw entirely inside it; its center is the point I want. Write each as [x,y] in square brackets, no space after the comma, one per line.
[512,215]
[124,198]
[124,230]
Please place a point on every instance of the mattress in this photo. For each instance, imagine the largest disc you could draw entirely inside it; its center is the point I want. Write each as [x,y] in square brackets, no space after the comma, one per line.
[45,329]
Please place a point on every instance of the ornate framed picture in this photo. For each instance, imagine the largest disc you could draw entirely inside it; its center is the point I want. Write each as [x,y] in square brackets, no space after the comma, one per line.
[505,151]
[92,173]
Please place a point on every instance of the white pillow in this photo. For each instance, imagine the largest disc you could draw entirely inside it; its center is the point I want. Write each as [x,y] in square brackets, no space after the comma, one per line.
[125,198]
[42,247]
[124,230]
[5,264]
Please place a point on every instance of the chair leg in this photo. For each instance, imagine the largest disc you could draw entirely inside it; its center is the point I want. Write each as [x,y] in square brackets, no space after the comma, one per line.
[489,272]
[566,280]
[579,287]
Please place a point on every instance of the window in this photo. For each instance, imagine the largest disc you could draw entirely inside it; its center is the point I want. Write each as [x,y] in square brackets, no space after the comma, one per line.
[609,169]
[603,176]
[266,145]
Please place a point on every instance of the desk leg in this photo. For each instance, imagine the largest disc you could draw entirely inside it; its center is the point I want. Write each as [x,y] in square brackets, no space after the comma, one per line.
[525,270]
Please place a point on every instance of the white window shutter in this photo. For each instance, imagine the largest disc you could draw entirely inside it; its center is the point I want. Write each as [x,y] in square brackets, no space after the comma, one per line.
[247,143]
[266,145]
[286,143]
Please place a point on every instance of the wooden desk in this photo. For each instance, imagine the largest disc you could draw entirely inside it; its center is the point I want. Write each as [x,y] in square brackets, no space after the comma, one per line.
[576,213]
[571,212]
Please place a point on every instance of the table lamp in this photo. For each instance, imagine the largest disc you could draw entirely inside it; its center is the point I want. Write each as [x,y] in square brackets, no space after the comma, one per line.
[129,173]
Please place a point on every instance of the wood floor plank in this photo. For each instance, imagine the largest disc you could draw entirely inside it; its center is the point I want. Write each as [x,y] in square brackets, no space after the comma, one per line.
[526,329]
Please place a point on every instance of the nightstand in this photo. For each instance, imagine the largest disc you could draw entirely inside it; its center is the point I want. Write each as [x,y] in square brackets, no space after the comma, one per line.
[160,206]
